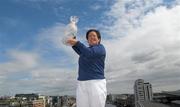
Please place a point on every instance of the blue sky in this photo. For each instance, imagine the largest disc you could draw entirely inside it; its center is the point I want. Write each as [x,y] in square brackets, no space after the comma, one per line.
[144,36]
[24,18]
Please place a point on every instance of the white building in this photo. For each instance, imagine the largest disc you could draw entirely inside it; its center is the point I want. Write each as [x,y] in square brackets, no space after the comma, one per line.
[142,91]
[148,92]
[43,100]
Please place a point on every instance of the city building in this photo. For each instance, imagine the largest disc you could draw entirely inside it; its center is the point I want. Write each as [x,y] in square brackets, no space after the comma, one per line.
[43,99]
[38,103]
[61,101]
[28,97]
[142,91]
[120,100]
[148,94]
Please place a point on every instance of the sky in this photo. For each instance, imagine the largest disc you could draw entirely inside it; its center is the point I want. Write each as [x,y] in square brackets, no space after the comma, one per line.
[141,38]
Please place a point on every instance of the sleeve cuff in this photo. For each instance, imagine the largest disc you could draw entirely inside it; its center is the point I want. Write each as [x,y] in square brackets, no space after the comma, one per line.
[77,44]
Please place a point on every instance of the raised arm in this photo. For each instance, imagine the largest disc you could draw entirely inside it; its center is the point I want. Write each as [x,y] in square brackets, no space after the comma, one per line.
[76,50]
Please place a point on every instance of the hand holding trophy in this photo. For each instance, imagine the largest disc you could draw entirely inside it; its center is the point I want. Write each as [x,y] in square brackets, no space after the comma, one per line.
[70,30]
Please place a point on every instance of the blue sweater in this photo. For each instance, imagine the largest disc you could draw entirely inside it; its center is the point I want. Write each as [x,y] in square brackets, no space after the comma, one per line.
[91,61]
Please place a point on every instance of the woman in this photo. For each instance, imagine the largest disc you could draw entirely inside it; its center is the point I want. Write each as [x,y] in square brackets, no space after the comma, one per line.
[91,88]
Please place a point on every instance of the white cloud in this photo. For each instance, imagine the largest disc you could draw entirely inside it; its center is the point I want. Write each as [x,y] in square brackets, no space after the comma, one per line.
[127,14]
[42,76]
[55,78]
[53,37]
[50,39]
[149,51]
[19,61]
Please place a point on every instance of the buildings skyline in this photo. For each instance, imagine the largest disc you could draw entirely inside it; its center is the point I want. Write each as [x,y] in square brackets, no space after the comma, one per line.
[143,95]
[138,42]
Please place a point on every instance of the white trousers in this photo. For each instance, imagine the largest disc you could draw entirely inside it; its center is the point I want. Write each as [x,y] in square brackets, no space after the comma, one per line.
[91,93]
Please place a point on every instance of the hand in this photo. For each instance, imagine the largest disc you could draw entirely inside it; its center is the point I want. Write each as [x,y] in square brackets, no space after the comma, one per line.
[71,41]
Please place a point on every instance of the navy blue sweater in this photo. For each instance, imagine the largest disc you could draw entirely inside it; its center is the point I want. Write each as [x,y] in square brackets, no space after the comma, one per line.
[91,61]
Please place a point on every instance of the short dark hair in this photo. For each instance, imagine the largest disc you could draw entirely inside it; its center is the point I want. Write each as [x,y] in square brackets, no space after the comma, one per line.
[94,30]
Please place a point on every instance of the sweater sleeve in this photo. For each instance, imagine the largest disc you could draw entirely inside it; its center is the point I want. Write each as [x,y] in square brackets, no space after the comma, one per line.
[76,50]
[93,52]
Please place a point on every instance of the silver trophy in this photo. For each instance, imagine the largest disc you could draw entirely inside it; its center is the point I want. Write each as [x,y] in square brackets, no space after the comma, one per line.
[71,29]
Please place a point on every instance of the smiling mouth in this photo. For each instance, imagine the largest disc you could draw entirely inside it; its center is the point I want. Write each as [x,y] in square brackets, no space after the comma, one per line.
[93,41]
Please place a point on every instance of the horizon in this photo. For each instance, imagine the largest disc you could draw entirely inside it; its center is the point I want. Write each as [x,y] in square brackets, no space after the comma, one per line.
[75,95]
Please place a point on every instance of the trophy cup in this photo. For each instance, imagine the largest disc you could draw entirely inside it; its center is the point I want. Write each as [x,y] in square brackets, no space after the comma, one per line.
[70,30]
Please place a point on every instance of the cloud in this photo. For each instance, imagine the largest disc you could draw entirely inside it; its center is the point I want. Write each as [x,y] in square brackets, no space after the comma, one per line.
[127,14]
[50,42]
[47,69]
[19,61]
[149,51]
[59,79]
[44,80]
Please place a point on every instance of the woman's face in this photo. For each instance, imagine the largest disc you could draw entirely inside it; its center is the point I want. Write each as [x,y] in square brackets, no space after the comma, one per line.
[93,38]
